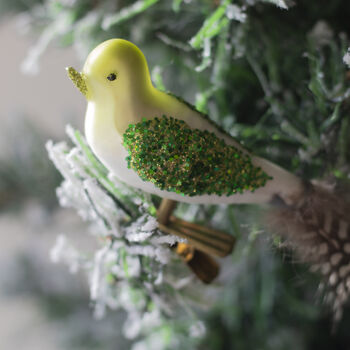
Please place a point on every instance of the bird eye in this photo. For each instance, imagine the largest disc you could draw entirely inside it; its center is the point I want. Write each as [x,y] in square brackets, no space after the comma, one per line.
[112,77]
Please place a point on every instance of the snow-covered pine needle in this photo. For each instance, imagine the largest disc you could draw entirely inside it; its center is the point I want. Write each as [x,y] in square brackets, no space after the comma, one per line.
[127,270]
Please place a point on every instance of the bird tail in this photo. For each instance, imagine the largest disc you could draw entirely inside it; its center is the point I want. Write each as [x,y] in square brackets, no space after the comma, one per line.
[317,227]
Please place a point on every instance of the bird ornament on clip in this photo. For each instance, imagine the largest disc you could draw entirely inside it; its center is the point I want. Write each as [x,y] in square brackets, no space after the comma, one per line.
[155,141]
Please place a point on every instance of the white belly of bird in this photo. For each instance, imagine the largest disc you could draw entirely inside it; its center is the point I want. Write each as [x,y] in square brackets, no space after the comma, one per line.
[107,144]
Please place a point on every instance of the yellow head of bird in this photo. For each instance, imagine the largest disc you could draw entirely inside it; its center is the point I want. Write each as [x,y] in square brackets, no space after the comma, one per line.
[116,67]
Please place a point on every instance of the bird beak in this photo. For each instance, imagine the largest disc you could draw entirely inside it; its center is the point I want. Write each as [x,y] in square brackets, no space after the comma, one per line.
[78,79]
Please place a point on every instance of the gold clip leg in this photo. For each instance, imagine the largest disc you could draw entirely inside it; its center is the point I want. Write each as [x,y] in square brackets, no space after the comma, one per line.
[202,264]
[203,242]
[203,238]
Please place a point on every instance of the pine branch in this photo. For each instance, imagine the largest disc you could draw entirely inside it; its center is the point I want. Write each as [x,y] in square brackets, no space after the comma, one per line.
[133,255]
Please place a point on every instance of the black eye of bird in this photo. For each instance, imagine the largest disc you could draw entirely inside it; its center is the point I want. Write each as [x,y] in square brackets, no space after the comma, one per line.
[112,77]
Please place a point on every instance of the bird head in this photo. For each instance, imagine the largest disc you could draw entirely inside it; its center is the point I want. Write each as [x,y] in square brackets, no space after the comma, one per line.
[114,68]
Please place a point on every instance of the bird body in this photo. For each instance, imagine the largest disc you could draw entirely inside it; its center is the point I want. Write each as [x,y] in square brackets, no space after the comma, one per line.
[117,84]
[123,111]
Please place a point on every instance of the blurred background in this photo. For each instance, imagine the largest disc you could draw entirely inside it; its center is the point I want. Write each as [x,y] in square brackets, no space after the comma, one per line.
[274,78]
[42,305]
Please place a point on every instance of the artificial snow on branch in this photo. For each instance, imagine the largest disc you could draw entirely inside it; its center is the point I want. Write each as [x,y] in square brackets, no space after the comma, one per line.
[128,270]
[346,58]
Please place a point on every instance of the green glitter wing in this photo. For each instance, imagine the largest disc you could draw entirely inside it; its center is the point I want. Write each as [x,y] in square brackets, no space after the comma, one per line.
[176,158]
